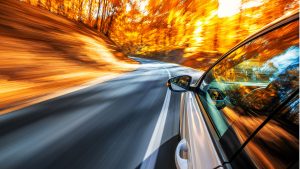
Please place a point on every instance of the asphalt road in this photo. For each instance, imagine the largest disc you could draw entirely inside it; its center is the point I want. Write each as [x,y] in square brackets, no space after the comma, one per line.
[125,123]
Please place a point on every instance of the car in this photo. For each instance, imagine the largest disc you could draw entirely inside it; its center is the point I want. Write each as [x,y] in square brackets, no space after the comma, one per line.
[244,111]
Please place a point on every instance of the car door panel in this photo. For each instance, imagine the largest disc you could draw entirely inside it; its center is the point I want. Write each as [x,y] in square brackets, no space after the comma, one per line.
[202,153]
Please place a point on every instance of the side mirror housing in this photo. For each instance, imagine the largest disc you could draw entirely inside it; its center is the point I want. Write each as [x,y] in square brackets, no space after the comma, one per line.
[179,83]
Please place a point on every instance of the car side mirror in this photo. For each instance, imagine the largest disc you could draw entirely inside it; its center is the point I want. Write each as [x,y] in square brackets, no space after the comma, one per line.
[179,83]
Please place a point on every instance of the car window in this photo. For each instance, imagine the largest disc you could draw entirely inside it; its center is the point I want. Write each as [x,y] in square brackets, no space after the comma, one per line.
[244,88]
[276,145]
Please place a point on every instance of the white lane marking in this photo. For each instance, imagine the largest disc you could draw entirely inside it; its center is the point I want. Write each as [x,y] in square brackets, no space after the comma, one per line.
[168,72]
[150,157]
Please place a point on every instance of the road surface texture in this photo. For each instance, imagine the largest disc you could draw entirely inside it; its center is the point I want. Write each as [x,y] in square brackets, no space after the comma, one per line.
[129,122]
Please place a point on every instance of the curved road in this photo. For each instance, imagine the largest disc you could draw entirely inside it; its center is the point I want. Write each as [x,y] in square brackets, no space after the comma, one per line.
[125,123]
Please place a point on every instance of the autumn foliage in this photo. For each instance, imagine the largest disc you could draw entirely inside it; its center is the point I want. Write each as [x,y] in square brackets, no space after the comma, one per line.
[191,32]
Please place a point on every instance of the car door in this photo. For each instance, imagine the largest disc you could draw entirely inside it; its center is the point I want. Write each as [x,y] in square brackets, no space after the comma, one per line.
[239,96]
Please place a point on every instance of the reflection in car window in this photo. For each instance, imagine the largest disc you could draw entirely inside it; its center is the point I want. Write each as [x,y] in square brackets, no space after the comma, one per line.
[245,87]
[276,145]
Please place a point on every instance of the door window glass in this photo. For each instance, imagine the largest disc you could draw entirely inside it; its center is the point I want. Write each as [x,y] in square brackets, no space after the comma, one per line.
[245,87]
[276,145]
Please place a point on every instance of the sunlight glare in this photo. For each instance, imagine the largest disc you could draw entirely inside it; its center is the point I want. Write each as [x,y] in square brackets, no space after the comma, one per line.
[228,7]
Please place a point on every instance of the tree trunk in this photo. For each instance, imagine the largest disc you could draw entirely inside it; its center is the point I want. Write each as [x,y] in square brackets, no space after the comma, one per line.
[109,24]
[216,35]
[48,5]
[90,10]
[80,11]
[238,24]
[98,12]
[103,13]
[39,3]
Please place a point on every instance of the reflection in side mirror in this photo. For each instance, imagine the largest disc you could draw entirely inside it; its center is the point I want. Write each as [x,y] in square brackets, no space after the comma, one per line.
[180,83]
[218,98]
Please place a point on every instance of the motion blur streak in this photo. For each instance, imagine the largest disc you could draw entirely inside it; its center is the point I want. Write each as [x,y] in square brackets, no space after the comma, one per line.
[108,125]
[42,53]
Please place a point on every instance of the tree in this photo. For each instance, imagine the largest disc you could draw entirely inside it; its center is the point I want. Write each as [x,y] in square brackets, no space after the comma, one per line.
[98,14]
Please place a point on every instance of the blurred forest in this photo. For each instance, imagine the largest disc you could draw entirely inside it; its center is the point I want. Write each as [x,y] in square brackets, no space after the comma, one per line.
[44,55]
[190,32]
